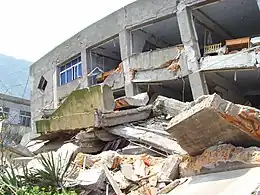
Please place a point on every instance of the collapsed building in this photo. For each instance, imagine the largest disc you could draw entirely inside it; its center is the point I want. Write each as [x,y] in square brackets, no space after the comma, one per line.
[178,49]
[159,77]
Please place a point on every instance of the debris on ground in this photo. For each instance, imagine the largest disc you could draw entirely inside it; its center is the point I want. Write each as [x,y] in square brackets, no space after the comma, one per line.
[133,146]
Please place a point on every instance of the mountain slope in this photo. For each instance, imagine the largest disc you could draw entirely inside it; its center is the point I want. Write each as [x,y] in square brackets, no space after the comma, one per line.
[13,76]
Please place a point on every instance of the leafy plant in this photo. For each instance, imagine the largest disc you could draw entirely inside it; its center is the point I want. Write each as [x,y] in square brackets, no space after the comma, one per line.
[54,171]
[53,174]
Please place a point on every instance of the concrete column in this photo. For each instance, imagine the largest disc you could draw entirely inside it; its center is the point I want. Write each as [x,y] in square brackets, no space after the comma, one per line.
[55,86]
[126,50]
[84,62]
[190,41]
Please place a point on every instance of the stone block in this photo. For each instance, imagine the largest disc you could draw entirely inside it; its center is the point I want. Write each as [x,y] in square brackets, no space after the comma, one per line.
[214,120]
[164,105]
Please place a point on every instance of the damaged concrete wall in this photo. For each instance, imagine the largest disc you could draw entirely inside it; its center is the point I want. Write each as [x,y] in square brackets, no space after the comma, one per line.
[136,14]
[78,110]
[158,65]
[154,59]
[230,61]
[41,100]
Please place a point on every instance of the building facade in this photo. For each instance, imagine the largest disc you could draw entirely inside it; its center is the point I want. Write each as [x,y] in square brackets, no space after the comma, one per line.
[17,112]
[178,48]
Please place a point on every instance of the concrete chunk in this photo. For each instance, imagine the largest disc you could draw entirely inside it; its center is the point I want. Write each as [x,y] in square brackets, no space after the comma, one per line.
[213,121]
[170,169]
[121,117]
[220,158]
[157,141]
[141,99]
[164,105]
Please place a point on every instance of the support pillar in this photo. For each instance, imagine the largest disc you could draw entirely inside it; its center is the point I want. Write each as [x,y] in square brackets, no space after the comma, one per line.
[84,62]
[131,89]
[258,3]
[55,86]
[190,41]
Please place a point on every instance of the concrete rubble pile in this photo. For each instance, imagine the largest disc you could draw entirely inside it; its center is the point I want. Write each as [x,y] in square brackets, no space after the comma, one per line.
[144,147]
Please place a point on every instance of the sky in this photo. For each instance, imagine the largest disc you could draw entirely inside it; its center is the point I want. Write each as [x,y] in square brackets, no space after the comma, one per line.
[31,28]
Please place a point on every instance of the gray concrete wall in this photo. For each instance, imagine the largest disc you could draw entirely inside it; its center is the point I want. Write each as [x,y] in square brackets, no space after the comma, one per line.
[153,59]
[134,15]
[229,61]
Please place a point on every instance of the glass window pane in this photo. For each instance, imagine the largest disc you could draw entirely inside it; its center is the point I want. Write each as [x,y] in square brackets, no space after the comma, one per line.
[79,59]
[69,75]
[62,68]
[75,61]
[68,65]
[79,70]
[63,78]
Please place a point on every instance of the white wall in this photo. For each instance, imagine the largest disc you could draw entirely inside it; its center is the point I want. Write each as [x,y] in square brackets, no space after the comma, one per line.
[14,113]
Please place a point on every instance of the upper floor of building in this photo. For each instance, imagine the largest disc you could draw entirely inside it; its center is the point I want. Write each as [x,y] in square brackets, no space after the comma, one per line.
[147,42]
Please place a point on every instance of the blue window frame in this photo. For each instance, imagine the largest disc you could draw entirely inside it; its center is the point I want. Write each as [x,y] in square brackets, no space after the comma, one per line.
[70,71]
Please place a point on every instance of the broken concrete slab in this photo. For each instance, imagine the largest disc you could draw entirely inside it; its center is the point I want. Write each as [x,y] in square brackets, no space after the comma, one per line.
[19,150]
[215,120]
[219,158]
[157,141]
[116,79]
[92,178]
[121,117]
[78,110]
[141,99]
[164,105]
[170,169]
[242,181]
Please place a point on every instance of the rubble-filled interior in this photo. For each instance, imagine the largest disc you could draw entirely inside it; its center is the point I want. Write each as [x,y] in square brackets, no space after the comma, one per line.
[104,59]
[158,35]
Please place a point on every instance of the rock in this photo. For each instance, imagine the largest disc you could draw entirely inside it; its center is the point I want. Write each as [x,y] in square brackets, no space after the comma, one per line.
[153,181]
[128,171]
[213,120]
[121,180]
[92,177]
[139,168]
[220,158]
[111,159]
[170,169]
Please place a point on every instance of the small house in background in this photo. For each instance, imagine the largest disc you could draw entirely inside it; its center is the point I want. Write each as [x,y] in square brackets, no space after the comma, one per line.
[17,113]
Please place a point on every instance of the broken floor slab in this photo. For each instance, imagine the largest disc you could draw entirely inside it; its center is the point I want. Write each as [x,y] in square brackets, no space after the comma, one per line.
[141,99]
[220,158]
[239,182]
[214,120]
[78,110]
[164,105]
[157,141]
[121,117]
